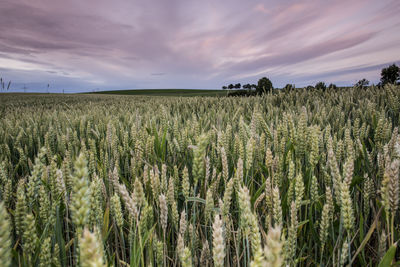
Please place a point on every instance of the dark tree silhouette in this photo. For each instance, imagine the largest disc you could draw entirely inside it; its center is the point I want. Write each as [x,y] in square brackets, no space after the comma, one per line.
[390,74]
[362,83]
[320,86]
[289,87]
[332,86]
[237,86]
[264,85]
[247,86]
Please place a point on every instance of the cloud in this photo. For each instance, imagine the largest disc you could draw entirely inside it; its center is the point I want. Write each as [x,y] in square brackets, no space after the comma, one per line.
[97,43]
[302,54]
[261,8]
[356,72]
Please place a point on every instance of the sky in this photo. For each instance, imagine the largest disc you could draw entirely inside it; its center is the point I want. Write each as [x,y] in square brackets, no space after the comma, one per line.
[87,45]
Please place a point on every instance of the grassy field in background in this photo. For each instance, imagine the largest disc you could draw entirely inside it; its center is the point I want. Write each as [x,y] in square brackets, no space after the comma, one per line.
[166,92]
[140,92]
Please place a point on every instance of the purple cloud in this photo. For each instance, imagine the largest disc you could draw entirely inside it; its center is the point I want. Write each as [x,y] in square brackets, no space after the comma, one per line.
[89,44]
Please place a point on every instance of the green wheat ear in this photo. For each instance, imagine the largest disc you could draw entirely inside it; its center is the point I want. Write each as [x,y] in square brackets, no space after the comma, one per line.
[29,237]
[80,193]
[45,253]
[273,250]
[297,177]
[218,242]
[91,250]
[5,238]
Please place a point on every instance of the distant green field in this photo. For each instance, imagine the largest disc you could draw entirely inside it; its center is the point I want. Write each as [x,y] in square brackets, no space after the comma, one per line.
[166,92]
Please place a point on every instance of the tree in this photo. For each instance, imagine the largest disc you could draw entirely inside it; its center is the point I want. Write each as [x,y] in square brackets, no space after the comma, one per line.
[237,86]
[390,74]
[247,86]
[289,87]
[332,86]
[224,87]
[253,86]
[230,86]
[320,86]
[362,83]
[264,85]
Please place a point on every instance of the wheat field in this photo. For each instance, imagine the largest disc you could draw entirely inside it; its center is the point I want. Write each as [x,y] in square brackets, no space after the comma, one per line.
[292,178]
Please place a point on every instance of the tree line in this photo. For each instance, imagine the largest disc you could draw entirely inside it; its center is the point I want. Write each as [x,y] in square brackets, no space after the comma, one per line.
[389,75]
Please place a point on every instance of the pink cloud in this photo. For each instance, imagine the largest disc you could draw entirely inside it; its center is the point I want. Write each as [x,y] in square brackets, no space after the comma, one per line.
[203,43]
[261,8]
